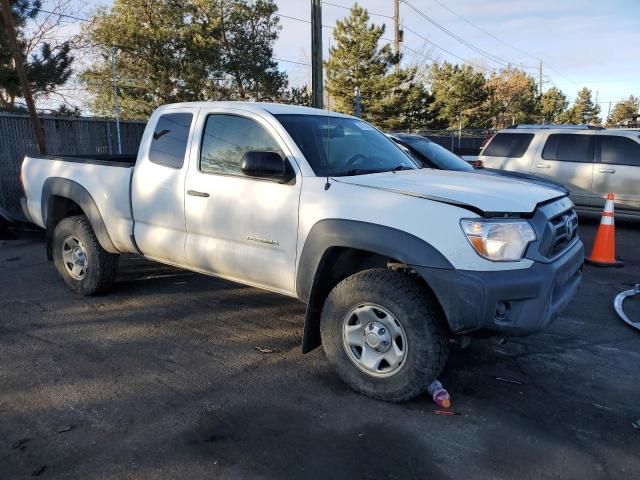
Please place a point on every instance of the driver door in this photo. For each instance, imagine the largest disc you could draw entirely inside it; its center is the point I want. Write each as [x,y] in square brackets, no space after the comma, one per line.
[239,227]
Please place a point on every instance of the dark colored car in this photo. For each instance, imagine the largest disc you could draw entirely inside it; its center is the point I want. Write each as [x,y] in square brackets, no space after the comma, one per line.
[431,155]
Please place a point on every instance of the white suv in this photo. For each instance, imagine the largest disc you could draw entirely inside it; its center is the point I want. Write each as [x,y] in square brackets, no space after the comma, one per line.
[589,161]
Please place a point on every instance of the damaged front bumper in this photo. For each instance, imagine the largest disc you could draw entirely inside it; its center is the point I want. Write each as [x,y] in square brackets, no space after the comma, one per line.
[514,302]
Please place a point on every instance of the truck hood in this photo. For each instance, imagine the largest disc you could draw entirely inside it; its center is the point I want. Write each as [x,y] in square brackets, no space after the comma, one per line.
[485,193]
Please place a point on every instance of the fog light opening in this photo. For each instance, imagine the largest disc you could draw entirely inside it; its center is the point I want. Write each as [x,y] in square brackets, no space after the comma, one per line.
[502,309]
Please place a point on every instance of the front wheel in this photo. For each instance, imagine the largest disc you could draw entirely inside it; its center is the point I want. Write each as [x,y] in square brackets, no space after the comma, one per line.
[384,333]
[86,267]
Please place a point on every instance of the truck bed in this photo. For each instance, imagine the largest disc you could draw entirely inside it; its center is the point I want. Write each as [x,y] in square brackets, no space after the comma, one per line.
[106,178]
[105,160]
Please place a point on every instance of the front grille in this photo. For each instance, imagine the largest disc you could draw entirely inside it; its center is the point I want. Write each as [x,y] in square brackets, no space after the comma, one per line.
[564,229]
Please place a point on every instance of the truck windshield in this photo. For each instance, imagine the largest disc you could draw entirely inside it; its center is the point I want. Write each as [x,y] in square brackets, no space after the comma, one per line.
[344,146]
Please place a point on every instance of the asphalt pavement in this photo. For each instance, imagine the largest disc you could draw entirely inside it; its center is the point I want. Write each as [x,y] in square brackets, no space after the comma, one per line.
[178,375]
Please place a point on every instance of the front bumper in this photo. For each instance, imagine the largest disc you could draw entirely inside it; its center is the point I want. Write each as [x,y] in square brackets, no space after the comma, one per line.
[515,302]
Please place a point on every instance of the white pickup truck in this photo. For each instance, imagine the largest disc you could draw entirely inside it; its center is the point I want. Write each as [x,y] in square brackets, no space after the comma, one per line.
[392,260]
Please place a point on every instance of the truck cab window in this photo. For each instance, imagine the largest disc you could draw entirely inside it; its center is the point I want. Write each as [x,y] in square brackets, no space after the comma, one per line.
[227,138]
[170,138]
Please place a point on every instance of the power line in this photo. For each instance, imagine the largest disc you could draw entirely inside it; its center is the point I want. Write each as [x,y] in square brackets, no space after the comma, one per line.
[280,15]
[484,31]
[293,18]
[292,61]
[422,55]
[349,8]
[502,41]
[386,39]
[298,19]
[64,15]
[484,53]
[444,50]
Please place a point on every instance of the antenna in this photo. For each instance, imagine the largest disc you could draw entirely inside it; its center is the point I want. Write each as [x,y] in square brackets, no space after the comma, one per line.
[327,184]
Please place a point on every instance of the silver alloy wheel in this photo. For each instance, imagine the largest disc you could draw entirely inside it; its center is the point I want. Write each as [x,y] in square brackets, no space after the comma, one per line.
[74,257]
[374,340]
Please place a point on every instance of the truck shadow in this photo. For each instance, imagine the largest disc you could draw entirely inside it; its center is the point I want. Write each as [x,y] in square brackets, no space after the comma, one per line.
[253,439]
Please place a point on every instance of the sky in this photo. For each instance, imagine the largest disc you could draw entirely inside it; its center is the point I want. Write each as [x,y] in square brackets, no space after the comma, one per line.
[590,43]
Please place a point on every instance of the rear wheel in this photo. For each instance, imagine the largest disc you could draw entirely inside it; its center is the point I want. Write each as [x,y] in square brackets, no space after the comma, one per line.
[384,333]
[83,264]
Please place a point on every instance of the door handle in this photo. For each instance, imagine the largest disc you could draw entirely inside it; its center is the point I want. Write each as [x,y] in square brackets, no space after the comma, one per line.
[543,165]
[607,170]
[195,193]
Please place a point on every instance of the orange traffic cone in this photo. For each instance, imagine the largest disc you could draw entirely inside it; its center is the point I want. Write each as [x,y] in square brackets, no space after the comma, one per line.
[603,253]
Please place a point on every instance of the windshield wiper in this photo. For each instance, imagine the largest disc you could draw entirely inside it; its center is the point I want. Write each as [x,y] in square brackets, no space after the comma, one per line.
[366,171]
[358,171]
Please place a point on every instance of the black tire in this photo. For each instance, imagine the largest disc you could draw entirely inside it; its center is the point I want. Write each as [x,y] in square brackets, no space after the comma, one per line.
[420,316]
[101,266]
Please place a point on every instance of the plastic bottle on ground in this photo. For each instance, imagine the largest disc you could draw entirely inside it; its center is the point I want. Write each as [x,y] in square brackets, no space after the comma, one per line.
[440,396]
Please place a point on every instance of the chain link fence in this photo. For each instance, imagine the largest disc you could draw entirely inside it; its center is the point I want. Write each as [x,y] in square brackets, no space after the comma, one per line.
[462,142]
[63,136]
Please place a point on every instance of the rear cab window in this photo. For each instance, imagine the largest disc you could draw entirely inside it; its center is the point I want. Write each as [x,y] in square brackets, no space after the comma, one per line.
[569,147]
[170,138]
[513,145]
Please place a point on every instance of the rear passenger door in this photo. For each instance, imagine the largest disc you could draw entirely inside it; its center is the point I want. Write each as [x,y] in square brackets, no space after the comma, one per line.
[157,190]
[567,158]
[617,171]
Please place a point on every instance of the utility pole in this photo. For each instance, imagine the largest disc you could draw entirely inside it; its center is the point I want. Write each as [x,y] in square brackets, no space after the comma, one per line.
[317,89]
[540,76]
[22,76]
[357,99]
[396,30]
[116,104]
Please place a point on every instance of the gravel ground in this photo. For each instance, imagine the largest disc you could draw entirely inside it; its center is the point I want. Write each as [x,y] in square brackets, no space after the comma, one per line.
[162,379]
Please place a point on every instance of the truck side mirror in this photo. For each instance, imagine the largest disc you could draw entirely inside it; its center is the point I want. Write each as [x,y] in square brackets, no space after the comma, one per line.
[263,164]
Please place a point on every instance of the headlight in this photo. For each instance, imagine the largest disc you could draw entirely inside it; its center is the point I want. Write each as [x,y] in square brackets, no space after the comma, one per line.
[499,240]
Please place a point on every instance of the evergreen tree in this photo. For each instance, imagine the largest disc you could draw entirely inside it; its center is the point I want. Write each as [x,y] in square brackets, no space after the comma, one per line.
[47,66]
[390,96]
[297,96]
[459,96]
[584,111]
[553,104]
[418,110]
[248,30]
[624,110]
[170,51]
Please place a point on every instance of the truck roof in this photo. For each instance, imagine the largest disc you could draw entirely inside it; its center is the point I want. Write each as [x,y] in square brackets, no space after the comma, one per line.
[258,107]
